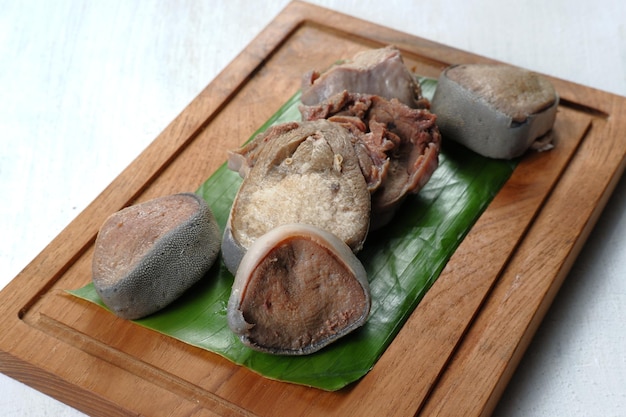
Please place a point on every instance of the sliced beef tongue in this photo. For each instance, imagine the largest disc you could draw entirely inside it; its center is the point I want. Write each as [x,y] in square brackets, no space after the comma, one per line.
[298,173]
[366,140]
[398,146]
[377,98]
[413,157]
[298,289]
[378,72]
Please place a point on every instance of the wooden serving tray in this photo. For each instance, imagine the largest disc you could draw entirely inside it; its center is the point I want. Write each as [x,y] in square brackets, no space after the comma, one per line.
[458,349]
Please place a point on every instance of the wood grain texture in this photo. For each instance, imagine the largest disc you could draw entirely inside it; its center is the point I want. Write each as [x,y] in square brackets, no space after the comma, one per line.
[459,346]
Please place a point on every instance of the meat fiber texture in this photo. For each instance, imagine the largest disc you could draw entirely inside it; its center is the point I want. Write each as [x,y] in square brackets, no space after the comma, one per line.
[376,97]
[398,146]
[297,289]
[297,173]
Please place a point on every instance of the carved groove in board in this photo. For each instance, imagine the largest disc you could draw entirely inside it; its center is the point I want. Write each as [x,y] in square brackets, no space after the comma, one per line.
[584,108]
[506,222]
[134,365]
[580,130]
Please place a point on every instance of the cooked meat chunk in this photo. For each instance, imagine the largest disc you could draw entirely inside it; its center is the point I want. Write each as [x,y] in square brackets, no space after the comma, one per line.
[147,255]
[496,110]
[311,192]
[377,71]
[298,173]
[298,289]
[398,146]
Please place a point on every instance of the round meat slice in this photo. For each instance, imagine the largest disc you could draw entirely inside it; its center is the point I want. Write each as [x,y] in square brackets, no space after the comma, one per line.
[298,289]
[301,173]
[497,111]
[147,255]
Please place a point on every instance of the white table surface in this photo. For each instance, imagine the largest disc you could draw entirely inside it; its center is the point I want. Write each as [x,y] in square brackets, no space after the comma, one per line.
[85,86]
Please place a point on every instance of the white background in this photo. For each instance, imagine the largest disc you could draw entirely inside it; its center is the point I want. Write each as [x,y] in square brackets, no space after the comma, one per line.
[85,86]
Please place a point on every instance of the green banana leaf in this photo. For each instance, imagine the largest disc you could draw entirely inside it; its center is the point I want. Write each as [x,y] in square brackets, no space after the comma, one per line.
[402,262]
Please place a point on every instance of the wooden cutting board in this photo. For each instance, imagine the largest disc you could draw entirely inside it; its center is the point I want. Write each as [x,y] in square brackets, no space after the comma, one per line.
[458,349]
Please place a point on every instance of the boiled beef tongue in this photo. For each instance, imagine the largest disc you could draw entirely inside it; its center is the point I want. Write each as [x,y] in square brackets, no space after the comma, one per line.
[398,146]
[298,288]
[397,139]
[298,173]
[380,72]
